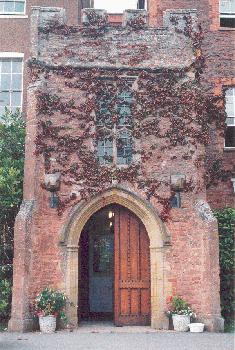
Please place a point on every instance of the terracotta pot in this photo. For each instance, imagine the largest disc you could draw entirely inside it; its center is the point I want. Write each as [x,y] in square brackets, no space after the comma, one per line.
[181,322]
[47,323]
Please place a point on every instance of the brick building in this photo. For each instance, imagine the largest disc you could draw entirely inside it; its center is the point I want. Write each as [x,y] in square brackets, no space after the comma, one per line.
[116,211]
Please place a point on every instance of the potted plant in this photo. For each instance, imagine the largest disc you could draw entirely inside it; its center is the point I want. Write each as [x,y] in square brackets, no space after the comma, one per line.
[180,313]
[49,305]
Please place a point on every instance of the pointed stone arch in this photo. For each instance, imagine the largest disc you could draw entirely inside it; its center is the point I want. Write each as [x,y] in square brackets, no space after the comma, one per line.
[158,236]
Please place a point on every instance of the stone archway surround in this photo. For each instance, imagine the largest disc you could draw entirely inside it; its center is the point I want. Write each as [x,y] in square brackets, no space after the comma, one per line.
[70,235]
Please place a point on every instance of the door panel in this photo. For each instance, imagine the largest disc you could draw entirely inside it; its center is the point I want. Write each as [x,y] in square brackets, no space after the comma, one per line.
[131,270]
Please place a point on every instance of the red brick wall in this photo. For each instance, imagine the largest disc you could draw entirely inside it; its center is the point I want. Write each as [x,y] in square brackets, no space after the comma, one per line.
[192,262]
[115,18]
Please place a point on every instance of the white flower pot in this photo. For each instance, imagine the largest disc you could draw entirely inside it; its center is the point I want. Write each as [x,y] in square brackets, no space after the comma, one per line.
[181,322]
[196,327]
[47,323]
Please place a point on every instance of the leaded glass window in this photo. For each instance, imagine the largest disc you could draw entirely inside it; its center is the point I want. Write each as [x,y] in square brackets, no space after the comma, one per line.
[115,141]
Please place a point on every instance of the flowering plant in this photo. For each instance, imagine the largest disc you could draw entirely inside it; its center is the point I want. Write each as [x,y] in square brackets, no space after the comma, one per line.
[179,307]
[51,302]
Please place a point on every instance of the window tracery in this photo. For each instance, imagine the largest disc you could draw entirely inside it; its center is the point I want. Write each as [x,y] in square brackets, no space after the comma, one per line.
[115,140]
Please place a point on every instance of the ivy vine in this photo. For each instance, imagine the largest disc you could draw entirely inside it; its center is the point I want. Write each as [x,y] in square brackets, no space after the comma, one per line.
[168,110]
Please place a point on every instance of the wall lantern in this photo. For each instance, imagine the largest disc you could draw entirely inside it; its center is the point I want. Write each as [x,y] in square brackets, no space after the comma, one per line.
[111,214]
[178,183]
[52,184]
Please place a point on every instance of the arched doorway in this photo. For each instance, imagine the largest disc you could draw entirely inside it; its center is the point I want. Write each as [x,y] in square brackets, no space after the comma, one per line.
[114,268]
[157,233]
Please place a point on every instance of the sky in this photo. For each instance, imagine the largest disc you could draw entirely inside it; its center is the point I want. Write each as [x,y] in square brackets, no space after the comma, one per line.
[114,5]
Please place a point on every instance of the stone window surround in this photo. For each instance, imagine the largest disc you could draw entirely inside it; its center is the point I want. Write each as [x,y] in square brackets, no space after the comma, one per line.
[15,55]
[114,133]
[14,14]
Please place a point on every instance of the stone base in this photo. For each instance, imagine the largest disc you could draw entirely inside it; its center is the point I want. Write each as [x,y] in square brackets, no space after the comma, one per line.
[215,324]
[162,323]
[21,325]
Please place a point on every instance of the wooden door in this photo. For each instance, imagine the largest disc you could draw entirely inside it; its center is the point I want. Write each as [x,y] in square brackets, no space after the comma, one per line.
[131,270]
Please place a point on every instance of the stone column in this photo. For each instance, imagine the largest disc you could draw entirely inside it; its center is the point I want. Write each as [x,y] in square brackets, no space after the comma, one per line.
[72,284]
[210,285]
[30,167]
[20,318]
[158,306]
[34,31]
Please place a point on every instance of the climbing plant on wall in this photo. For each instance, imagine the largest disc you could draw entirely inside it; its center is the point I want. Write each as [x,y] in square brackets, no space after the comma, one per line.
[168,110]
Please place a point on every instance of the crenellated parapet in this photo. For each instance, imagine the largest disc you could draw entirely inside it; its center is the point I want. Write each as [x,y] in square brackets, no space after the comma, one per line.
[96,43]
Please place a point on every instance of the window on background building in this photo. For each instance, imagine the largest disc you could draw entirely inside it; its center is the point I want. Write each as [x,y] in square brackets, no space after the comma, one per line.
[230,110]
[119,6]
[12,7]
[227,13]
[115,141]
[11,80]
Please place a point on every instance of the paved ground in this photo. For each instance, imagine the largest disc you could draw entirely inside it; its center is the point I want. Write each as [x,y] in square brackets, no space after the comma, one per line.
[104,336]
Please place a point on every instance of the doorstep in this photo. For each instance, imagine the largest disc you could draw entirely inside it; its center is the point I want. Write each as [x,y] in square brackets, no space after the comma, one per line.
[108,327]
